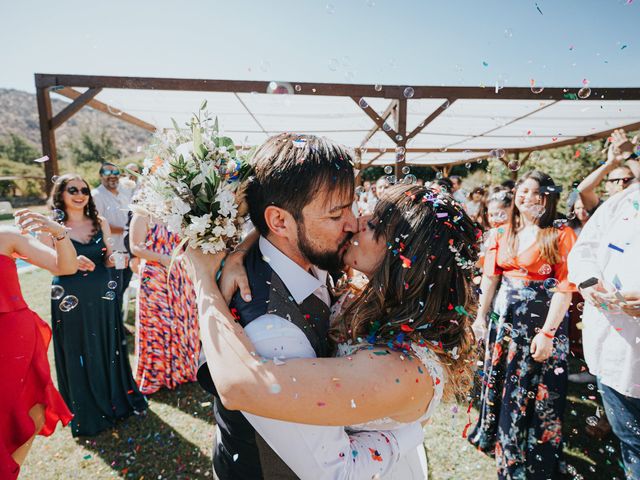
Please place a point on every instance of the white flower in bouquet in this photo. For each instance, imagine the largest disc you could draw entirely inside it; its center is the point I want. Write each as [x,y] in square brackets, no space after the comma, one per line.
[192,182]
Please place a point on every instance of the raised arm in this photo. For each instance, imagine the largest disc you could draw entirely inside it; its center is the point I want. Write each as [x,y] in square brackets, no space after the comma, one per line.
[369,385]
[59,257]
[587,187]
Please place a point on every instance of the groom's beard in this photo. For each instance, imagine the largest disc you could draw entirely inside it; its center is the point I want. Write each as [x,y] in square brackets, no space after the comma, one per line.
[331,261]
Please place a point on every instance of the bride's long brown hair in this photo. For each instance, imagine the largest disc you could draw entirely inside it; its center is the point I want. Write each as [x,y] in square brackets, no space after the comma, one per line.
[421,291]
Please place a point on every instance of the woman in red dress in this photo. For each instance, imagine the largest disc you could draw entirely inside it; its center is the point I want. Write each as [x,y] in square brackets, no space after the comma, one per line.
[30,404]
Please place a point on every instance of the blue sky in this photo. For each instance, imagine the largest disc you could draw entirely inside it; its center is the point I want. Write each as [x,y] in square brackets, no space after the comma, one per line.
[359,41]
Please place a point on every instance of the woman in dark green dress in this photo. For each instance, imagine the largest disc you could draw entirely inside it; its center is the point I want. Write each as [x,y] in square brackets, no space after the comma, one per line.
[92,364]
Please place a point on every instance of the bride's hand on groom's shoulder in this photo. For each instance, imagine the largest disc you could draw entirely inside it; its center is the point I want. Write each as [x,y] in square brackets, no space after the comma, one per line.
[199,264]
[234,277]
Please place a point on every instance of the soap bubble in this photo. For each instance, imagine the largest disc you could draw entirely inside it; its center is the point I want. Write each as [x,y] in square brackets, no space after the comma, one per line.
[112,284]
[57,215]
[537,90]
[56,292]
[333,64]
[109,295]
[592,421]
[584,92]
[386,127]
[551,283]
[377,87]
[68,303]
[388,169]
[408,92]
[298,88]
[406,170]
[330,8]
[392,179]
[409,179]
[363,103]
[279,88]
[513,165]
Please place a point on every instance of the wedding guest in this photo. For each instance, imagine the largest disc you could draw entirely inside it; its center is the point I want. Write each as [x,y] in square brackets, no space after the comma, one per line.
[474,202]
[89,343]
[459,195]
[525,369]
[604,264]
[499,207]
[167,343]
[619,169]
[30,405]
[112,203]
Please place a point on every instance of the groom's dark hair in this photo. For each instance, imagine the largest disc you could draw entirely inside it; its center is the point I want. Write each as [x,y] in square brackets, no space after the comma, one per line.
[291,169]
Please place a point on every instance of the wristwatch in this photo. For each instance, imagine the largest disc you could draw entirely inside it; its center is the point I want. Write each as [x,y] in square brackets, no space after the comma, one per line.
[589,282]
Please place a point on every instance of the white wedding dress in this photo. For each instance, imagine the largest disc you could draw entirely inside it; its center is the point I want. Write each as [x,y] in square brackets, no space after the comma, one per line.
[412,466]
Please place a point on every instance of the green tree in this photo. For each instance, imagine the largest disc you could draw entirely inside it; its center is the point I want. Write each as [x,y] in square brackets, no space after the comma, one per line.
[92,148]
[19,149]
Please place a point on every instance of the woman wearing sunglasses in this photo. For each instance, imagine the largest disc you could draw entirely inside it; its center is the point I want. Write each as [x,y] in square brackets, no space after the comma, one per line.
[92,364]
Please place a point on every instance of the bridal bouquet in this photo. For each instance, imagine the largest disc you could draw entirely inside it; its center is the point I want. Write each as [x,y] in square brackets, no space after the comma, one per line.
[192,182]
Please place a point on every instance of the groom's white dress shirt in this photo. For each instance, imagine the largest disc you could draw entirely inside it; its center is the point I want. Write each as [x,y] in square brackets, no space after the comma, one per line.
[608,248]
[311,451]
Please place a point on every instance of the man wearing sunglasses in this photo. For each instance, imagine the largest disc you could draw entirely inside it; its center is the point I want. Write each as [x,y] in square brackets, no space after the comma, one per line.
[112,202]
[620,169]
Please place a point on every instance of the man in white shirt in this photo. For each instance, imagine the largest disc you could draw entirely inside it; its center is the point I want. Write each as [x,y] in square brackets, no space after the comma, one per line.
[112,202]
[604,264]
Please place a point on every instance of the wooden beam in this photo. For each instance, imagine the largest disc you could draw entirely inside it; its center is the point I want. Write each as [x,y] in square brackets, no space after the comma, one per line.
[103,107]
[373,115]
[73,107]
[47,136]
[401,139]
[392,105]
[430,118]
[330,89]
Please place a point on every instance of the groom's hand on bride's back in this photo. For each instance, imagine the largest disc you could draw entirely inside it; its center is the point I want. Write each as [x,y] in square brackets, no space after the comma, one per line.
[234,277]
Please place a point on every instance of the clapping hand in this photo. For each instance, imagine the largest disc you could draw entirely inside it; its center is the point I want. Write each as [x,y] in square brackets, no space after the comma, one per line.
[622,145]
[85,265]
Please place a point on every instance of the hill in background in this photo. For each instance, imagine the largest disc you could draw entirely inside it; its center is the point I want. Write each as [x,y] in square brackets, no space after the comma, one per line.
[19,115]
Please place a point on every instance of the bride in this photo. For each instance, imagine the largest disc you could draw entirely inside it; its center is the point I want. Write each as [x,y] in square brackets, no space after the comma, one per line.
[403,341]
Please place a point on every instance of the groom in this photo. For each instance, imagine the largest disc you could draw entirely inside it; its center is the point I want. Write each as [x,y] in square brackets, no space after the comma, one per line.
[300,201]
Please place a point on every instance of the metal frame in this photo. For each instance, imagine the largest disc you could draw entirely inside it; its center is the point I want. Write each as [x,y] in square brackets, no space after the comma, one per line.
[64,85]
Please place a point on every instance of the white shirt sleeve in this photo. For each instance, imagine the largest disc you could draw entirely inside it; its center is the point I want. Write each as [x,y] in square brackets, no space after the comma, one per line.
[317,452]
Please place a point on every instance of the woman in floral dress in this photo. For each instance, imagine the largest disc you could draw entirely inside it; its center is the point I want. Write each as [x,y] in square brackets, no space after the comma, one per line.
[524,379]
[167,343]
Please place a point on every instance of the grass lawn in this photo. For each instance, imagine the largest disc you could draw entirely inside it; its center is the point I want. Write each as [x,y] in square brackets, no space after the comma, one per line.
[174,439]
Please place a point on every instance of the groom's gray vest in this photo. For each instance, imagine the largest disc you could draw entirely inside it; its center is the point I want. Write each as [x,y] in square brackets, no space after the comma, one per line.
[240,452]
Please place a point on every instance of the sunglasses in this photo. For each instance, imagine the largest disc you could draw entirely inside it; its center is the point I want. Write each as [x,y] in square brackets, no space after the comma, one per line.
[106,173]
[619,181]
[76,191]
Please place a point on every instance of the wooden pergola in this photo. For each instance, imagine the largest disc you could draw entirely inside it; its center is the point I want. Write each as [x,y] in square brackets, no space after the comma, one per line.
[392,122]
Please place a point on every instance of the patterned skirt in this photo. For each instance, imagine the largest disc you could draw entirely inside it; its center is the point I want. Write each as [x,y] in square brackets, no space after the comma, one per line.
[167,339]
[522,401]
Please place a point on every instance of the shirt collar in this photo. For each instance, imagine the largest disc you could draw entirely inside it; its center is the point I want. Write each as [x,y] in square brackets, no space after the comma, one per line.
[298,281]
